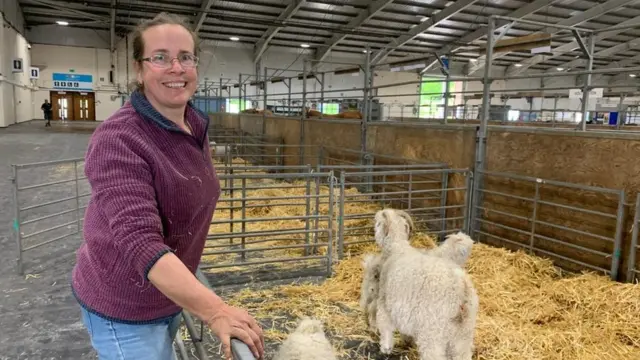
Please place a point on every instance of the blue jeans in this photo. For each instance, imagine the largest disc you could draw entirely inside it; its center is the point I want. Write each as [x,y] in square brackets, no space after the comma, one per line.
[117,341]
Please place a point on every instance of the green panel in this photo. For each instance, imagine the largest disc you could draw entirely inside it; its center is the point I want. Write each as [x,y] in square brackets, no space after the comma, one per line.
[330,109]
[431,96]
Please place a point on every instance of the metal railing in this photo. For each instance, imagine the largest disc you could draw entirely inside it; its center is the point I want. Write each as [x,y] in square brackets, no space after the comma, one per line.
[632,269]
[49,198]
[239,350]
[548,217]
[437,204]
[240,241]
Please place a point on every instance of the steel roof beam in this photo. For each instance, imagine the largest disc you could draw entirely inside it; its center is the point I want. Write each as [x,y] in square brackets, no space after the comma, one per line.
[592,13]
[355,23]
[482,31]
[263,43]
[202,14]
[429,24]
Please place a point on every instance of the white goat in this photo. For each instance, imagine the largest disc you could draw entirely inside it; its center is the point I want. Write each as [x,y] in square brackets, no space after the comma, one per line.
[425,297]
[456,247]
[219,151]
[306,342]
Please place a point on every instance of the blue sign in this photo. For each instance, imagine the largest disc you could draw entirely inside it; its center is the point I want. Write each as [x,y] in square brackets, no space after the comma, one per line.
[78,82]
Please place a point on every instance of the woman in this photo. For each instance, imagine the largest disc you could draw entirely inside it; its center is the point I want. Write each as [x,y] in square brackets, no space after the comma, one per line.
[154,191]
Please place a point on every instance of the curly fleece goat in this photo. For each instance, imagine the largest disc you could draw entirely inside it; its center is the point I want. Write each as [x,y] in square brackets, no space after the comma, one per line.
[306,342]
[427,298]
[456,247]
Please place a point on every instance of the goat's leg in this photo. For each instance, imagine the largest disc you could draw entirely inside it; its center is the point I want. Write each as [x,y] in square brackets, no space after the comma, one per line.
[385,329]
[431,346]
[461,346]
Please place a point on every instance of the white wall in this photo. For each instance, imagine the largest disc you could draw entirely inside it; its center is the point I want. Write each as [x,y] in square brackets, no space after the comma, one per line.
[82,60]
[15,93]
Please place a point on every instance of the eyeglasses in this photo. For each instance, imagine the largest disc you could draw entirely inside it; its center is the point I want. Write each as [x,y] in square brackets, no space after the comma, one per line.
[164,61]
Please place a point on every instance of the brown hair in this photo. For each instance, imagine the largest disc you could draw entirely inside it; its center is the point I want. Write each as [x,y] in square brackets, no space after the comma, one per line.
[162,18]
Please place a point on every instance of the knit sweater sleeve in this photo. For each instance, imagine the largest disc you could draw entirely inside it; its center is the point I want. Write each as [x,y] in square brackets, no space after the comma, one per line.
[122,186]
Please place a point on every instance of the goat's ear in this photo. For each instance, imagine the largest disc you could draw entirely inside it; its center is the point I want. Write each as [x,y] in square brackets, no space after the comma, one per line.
[385,223]
[403,214]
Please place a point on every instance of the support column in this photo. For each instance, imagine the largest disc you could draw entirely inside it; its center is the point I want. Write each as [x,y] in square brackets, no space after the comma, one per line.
[587,81]
[482,131]
[365,112]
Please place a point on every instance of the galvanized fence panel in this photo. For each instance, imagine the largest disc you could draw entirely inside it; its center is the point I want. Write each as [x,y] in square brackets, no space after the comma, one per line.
[632,269]
[266,224]
[49,202]
[577,225]
[438,205]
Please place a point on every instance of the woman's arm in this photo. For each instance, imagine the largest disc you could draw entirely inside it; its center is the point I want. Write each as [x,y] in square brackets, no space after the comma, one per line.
[122,184]
[174,280]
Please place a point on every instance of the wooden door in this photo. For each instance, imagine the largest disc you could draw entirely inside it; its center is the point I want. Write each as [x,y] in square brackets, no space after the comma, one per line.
[84,106]
[62,102]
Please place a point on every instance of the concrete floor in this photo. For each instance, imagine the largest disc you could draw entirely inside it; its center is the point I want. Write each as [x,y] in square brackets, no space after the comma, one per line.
[40,318]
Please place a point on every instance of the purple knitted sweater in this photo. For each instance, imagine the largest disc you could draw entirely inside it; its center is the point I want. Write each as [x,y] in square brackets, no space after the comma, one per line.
[154,190]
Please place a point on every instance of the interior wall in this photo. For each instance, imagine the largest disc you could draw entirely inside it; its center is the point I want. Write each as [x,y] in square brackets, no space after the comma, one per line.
[15,93]
[75,60]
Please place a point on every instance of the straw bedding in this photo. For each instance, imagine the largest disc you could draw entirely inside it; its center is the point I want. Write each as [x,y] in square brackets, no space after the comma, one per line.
[528,309]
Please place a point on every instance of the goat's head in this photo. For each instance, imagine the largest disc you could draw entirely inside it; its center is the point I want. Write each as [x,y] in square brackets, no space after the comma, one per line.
[309,325]
[371,264]
[389,223]
[458,247]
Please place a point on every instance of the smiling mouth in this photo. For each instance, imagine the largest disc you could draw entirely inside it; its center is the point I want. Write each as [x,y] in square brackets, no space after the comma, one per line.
[175,85]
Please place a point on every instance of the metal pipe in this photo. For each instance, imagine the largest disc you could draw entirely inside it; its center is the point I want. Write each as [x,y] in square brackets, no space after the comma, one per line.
[304,109]
[631,262]
[197,341]
[16,220]
[540,23]
[617,247]
[482,131]
[363,121]
[587,82]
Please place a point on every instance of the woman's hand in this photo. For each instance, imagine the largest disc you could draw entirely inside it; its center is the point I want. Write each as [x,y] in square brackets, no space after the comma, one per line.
[231,322]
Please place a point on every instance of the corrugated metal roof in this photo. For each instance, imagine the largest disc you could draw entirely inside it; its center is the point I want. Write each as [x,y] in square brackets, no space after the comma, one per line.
[350,25]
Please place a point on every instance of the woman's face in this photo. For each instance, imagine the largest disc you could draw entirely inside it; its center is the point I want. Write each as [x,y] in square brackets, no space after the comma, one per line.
[173,85]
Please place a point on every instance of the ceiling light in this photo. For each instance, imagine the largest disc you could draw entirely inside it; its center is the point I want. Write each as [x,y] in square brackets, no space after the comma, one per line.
[63,23]
[560,69]
[518,65]
[473,60]
[365,51]
[304,45]
[632,75]
[234,38]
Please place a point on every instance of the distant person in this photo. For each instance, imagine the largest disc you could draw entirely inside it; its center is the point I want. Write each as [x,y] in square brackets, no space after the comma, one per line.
[48,111]
[154,191]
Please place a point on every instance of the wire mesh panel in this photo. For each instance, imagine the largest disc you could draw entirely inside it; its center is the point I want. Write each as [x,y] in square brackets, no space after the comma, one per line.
[436,207]
[266,227]
[49,200]
[579,226]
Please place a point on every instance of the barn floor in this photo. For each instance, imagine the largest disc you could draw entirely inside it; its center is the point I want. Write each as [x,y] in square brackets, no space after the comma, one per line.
[40,318]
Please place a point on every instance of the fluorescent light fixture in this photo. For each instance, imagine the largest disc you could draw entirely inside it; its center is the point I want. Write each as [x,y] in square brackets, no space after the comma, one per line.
[518,65]
[63,23]
[632,75]
[234,38]
[560,69]
[304,45]
[364,51]
[473,60]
